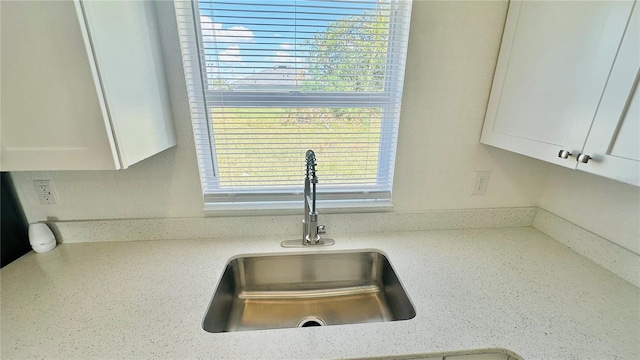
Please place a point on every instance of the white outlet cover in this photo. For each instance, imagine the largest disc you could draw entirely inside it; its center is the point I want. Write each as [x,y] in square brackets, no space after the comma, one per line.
[481,183]
[46,192]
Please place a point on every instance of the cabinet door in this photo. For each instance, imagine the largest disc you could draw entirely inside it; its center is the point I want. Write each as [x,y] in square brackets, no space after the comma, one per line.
[614,140]
[553,66]
[52,117]
[126,46]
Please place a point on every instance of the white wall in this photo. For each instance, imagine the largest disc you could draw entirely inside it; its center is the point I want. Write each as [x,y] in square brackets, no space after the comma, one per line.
[453,49]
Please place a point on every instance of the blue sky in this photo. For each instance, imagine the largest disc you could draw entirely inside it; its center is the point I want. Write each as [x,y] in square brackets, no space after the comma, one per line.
[251,36]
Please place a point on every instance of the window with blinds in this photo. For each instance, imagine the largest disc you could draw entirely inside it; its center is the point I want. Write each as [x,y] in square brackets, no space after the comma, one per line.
[269,80]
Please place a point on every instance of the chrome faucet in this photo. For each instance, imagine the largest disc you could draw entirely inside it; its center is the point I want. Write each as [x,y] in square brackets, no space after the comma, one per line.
[310,229]
[310,223]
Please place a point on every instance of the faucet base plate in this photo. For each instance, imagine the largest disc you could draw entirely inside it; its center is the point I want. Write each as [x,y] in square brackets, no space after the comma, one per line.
[299,244]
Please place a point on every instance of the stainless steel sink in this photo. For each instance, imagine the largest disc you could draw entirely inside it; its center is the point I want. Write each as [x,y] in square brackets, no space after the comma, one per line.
[300,290]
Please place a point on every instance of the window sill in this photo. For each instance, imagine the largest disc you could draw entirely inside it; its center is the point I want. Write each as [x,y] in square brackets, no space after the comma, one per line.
[294,207]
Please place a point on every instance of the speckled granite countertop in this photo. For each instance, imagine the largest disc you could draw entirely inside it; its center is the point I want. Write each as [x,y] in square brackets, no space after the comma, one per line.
[512,288]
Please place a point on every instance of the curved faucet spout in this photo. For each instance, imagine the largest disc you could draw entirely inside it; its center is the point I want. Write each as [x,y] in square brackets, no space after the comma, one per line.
[310,157]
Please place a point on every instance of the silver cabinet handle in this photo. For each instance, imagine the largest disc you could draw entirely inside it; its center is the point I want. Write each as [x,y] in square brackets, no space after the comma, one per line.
[583,158]
[564,154]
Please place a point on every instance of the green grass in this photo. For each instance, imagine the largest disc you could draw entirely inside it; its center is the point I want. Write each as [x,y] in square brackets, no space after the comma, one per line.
[251,142]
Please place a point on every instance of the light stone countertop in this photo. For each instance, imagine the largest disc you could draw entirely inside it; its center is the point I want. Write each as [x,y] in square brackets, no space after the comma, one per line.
[510,288]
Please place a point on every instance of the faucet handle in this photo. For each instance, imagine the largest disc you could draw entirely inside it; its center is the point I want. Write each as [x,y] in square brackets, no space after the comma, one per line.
[322,229]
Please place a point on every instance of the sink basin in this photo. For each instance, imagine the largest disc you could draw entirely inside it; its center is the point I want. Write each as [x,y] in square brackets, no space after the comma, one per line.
[300,290]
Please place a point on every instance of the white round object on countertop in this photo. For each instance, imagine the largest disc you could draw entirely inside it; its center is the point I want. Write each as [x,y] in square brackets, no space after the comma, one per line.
[41,237]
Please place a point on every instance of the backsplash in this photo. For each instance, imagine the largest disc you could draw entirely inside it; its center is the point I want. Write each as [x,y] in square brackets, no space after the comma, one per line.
[620,261]
[287,226]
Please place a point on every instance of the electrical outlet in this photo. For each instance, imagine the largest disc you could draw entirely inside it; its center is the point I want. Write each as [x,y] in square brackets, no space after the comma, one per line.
[46,199]
[481,183]
[46,192]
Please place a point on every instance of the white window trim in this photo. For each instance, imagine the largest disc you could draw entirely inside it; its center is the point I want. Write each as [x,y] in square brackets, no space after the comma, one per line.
[362,198]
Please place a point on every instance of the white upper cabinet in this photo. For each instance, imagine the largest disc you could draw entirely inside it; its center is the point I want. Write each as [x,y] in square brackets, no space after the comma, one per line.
[555,62]
[83,85]
[613,145]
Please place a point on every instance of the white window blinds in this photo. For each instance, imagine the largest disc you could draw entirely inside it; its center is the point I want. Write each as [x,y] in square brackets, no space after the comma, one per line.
[269,80]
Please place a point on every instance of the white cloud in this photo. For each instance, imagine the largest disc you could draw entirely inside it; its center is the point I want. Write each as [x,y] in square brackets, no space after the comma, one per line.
[231,54]
[282,56]
[213,31]
[286,46]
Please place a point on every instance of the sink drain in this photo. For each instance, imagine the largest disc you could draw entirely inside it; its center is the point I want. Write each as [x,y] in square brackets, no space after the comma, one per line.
[311,321]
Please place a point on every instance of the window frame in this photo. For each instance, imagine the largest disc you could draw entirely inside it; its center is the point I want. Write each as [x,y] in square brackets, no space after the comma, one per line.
[360,196]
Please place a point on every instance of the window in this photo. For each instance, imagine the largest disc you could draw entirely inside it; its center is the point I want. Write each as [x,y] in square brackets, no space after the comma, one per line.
[269,80]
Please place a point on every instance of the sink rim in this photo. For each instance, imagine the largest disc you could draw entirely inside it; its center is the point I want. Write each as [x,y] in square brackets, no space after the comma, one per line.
[304,252]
